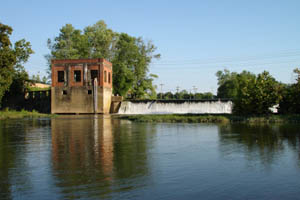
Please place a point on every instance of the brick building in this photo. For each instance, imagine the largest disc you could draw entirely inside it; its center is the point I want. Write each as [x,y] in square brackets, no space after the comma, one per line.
[81,86]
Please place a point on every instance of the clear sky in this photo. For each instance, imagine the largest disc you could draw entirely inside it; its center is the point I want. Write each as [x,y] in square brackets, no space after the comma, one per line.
[196,38]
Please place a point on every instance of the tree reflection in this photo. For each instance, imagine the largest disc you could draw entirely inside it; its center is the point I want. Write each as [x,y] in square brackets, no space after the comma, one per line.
[7,161]
[259,142]
[14,156]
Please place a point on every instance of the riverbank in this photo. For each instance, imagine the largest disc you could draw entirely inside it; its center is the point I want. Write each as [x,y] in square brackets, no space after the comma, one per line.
[12,114]
[205,118]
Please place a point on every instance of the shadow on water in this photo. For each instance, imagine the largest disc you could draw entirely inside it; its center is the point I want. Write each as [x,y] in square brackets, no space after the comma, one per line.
[263,143]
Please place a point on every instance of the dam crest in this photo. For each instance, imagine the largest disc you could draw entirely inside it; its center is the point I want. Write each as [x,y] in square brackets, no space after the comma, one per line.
[215,106]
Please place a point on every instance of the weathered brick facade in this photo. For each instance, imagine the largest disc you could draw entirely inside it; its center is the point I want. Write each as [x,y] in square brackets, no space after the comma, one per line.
[73,89]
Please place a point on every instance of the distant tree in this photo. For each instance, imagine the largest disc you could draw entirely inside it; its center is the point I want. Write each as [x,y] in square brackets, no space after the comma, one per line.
[36,78]
[198,96]
[186,94]
[44,79]
[168,95]
[207,95]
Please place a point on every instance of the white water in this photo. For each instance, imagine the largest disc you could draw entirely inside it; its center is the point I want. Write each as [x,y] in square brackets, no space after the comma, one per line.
[154,107]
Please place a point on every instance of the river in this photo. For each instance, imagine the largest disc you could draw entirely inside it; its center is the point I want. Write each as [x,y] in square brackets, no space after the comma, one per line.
[99,157]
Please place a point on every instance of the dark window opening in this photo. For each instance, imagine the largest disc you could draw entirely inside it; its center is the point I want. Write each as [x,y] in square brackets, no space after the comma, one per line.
[60,76]
[108,77]
[77,75]
[94,74]
[104,76]
[65,92]
[89,91]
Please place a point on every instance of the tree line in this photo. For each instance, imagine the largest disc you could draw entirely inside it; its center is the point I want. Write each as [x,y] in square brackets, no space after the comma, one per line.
[256,94]
[185,95]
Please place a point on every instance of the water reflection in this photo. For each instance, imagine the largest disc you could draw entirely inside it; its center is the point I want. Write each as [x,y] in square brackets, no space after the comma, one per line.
[20,151]
[264,143]
[98,157]
[97,154]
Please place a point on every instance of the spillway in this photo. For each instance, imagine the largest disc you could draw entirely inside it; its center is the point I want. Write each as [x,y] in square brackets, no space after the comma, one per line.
[176,107]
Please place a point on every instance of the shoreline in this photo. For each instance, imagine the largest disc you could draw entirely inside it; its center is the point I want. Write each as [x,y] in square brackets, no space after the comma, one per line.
[12,114]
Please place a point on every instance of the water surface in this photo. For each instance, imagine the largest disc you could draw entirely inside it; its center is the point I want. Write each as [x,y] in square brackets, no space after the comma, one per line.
[88,157]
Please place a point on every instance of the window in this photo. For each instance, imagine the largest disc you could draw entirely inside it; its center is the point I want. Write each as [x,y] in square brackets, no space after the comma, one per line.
[105,76]
[94,74]
[77,75]
[60,76]
[108,77]
[89,91]
[65,92]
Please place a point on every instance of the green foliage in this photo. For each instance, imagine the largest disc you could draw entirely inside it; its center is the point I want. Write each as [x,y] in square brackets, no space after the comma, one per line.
[12,58]
[129,55]
[204,118]
[251,94]
[290,103]
[7,59]
[37,79]
[256,94]
[178,118]
[228,85]
[185,95]
[12,114]
[206,95]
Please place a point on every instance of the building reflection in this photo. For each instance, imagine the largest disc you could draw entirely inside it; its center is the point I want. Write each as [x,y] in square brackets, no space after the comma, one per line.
[96,154]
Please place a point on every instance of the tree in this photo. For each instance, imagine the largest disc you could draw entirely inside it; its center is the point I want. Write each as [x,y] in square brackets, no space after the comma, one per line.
[256,94]
[198,96]
[207,95]
[7,59]
[290,102]
[44,80]
[168,96]
[251,94]
[129,55]
[100,41]
[227,82]
[12,59]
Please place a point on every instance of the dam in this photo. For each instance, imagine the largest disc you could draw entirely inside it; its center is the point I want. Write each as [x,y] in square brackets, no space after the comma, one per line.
[215,106]
[84,86]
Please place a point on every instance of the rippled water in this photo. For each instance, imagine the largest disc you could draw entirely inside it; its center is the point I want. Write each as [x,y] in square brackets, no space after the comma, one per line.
[87,157]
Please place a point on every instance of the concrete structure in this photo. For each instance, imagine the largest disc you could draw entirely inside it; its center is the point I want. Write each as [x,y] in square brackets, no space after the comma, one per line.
[81,86]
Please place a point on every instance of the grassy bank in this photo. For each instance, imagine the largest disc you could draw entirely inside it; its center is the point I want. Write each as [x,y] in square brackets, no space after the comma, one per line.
[197,118]
[12,114]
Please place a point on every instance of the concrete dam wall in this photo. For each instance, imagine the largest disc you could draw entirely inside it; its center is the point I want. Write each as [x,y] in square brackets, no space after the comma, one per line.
[176,107]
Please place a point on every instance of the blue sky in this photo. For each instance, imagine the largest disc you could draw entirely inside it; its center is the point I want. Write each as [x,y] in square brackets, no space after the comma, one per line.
[195,38]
